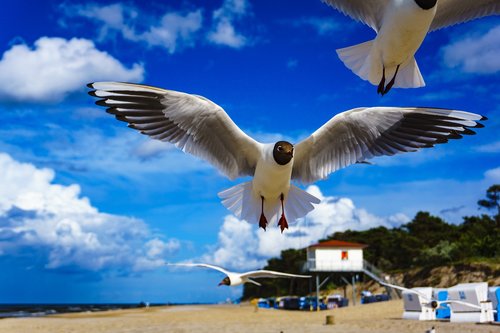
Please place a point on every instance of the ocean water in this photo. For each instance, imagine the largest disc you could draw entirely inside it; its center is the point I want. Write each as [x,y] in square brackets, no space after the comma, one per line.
[37,310]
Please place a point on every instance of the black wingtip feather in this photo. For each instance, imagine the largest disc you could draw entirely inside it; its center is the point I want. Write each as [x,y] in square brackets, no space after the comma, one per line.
[121,118]
[468,132]
[101,102]
[454,135]
[112,111]
[91,85]
[484,118]
[440,140]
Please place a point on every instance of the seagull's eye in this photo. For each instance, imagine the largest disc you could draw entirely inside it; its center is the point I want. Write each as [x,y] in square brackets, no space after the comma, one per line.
[280,148]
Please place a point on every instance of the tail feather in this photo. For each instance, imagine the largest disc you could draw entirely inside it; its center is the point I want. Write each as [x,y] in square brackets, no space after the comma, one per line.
[409,76]
[359,59]
[299,203]
[355,58]
[244,204]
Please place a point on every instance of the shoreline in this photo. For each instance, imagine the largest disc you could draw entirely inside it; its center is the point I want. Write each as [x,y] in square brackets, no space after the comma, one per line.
[375,317]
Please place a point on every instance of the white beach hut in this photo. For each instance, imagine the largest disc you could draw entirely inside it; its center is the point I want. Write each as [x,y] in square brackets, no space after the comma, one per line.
[476,294]
[335,256]
[494,297]
[414,307]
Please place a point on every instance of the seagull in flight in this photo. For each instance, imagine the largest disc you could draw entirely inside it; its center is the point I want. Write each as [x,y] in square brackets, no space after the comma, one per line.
[429,302]
[202,128]
[235,279]
[401,26]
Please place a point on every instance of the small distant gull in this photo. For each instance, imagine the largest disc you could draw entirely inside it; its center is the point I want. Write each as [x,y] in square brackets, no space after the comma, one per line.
[198,126]
[432,303]
[235,279]
[401,26]
[432,330]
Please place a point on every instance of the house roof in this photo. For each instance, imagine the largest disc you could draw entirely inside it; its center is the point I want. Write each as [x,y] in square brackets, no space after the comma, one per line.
[338,244]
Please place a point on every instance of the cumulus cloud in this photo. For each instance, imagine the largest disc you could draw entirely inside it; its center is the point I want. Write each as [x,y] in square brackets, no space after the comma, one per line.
[475,54]
[37,214]
[243,246]
[55,67]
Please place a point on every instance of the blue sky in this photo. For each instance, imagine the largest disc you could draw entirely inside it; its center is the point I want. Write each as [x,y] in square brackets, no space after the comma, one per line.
[90,210]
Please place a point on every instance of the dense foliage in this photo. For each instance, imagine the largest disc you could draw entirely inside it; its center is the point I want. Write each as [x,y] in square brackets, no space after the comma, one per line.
[425,241]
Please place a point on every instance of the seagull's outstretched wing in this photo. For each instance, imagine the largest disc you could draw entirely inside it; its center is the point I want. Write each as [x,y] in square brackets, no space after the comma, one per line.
[192,123]
[217,268]
[369,12]
[406,289]
[271,274]
[360,134]
[450,12]
[450,301]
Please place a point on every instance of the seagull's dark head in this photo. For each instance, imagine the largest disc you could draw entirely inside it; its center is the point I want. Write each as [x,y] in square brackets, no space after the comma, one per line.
[426,4]
[434,304]
[225,282]
[283,152]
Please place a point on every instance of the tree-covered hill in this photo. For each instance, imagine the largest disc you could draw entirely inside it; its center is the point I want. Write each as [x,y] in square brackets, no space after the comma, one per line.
[422,244]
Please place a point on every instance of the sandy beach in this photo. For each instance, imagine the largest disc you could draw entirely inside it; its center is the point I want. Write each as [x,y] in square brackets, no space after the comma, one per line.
[377,317]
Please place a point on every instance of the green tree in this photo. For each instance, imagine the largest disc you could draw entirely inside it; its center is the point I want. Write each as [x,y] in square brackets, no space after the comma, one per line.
[492,200]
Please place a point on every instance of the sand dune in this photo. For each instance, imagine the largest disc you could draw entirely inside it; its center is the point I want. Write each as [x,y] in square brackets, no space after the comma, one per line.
[377,317]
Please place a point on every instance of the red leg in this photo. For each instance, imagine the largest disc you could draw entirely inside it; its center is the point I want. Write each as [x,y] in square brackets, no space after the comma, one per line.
[262,220]
[283,224]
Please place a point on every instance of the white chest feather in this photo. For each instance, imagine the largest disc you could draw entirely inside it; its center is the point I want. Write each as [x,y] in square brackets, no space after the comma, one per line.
[235,279]
[404,28]
[271,179]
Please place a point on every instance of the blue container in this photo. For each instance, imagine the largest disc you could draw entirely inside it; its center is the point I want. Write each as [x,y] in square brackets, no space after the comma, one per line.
[494,296]
[443,312]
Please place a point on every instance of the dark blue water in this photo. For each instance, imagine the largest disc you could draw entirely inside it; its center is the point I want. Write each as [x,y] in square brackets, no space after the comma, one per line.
[37,310]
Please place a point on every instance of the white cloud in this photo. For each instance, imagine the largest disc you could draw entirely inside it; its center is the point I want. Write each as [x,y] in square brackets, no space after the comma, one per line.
[174,30]
[242,245]
[493,175]
[177,30]
[123,153]
[152,148]
[442,95]
[54,219]
[477,54]
[224,19]
[225,34]
[322,26]
[55,67]
[113,18]
[493,147]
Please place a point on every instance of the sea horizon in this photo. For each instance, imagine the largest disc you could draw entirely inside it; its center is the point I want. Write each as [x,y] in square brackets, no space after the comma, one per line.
[18,310]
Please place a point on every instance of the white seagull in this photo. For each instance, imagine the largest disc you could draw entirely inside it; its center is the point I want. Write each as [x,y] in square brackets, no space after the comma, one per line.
[198,126]
[429,302]
[401,26]
[235,279]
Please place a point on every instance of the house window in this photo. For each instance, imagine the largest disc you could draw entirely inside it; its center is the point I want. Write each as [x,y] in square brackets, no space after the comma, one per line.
[344,255]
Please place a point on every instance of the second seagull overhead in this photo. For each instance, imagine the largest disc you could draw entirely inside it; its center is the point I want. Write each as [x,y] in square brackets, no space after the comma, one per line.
[198,126]
[401,26]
